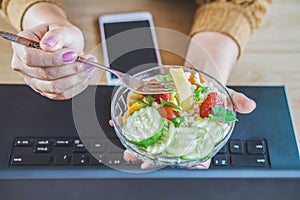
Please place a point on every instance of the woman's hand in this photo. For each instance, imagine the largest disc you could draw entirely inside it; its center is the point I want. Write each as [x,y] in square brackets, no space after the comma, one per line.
[215,54]
[52,71]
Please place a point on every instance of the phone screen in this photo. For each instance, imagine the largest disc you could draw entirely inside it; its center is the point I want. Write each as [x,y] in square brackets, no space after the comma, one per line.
[130,44]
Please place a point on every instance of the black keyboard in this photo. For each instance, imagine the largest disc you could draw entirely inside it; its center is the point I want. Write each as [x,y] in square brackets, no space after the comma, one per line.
[250,152]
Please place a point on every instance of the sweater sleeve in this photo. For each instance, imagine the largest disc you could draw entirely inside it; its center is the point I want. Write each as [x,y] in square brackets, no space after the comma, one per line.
[14,10]
[235,18]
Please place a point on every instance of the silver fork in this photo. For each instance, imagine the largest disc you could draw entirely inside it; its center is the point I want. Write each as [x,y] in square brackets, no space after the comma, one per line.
[133,83]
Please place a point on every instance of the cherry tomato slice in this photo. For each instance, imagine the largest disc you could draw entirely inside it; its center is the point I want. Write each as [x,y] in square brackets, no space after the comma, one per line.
[168,112]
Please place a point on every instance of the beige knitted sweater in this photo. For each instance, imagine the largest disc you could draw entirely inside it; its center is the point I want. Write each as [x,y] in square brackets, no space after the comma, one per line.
[235,18]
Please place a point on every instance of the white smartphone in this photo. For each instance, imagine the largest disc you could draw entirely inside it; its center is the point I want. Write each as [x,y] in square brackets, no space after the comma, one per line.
[128,40]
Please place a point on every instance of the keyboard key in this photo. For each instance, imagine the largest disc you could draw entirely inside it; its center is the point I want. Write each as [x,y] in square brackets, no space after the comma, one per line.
[79,148]
[77,141]
[249,161]
[236,146]
[97,159]
[256,146]
[224,149]
[30,159]
[61,159]
[220,160]
[41,149]
[62,143]
[114,159]
[79,159]
[65,151]
[98,146]
[42,142]
[23,143]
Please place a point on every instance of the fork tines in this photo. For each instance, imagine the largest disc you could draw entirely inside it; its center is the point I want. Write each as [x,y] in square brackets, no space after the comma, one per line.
[158,85]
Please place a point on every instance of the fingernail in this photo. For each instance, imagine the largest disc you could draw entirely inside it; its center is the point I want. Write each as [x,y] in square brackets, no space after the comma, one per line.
[50,42]
[125,157]
[146,165]
[128,156]
[69,56]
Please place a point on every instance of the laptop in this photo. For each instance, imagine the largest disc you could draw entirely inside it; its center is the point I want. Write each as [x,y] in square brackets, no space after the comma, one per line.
[42,143]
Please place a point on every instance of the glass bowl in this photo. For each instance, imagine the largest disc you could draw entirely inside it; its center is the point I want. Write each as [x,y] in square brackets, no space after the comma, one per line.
[119,107]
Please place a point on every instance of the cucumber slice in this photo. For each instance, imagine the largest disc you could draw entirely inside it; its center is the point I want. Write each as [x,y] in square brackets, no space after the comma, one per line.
[164,141]
[185,140]
[143,127]
[212,127]
[204,148]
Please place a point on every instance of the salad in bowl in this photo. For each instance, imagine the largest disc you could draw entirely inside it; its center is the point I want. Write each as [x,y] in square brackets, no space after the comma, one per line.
[182,128]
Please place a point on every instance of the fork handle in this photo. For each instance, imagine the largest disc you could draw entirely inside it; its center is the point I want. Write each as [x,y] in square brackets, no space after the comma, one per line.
[95,64]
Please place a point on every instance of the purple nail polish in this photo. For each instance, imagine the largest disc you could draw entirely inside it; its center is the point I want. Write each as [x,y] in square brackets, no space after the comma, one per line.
[50,42]
[69,56]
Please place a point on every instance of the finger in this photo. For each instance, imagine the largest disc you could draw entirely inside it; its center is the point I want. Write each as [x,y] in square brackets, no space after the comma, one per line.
[16,63]
[50,73]
[68,93]
[35,33]
[129,156]
[118,120]
[53,73]
[57,86]
[59,37]
[242,103]
[147,164]
[110,122]
[38,58]
[47,73]
[204,165]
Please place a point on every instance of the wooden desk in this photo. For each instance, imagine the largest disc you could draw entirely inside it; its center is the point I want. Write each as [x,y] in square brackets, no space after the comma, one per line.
[271,57]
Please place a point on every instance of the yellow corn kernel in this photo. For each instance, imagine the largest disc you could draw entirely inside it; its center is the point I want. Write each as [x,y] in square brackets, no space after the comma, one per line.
[134,107]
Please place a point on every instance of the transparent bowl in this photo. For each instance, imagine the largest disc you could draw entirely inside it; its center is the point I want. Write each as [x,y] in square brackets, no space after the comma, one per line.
[119,107]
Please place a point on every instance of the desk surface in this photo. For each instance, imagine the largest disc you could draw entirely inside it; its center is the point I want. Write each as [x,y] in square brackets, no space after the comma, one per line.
[271,57]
